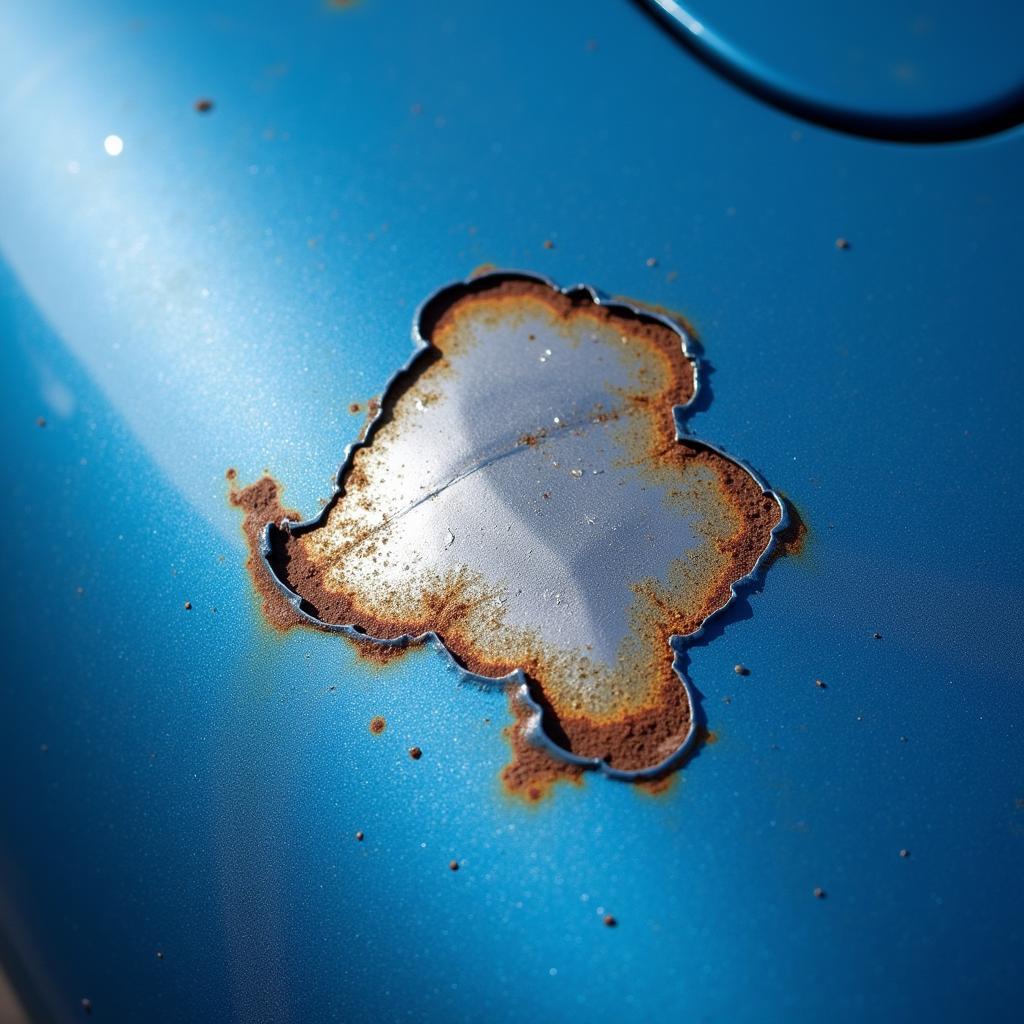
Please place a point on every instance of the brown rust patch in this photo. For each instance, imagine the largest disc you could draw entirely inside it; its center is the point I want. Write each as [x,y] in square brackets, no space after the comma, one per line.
[378,724]
[482,268]
[261,504]
[790,542]
[532,772]
[379,655]
[641,712]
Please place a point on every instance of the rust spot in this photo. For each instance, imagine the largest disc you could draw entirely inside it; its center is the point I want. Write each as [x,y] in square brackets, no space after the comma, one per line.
[231,474]
[360,837]
[203,105]
[354,408]
[379,655]
[532,771]
[41,422]
[453,865]
[415,753]
[610,922]
[351,568]
[481,269]
[548,244]
[790,542]
[188,606]
[378,724]
[261,504]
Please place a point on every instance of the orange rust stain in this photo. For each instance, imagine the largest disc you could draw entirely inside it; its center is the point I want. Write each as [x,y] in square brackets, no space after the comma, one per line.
[481,269]
[354,408]
[791,541]
[531,773]
[634,736]
[667,782]
[261,504]
[638,735]
[380,655]
[378,724]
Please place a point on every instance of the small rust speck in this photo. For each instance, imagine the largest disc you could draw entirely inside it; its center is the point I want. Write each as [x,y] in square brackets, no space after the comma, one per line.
[548,244]
[453,865]
[819,893]
[415,753]
[203,105]
[904,854]
[842,243]
[821,684]
[355,407]
[188,606]
[360,837]
[41,422]
[378,724]
[610,922]
[231,473]
[741,670]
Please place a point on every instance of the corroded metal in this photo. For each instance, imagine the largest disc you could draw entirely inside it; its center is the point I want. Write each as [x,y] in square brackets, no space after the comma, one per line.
[525,498]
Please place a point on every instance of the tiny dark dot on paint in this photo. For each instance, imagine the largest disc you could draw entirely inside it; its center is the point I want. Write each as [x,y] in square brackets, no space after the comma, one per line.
[159,954]
[821,684]
[188,606]
[741,670]
[842,243]
[41,422]
[453,865]
[87,1006]
[203,105]
[610,921]
[904,854]
[819,893]
[548,244]
[651,261]
[354,407]
[360,837]
[876,636]
[415,753]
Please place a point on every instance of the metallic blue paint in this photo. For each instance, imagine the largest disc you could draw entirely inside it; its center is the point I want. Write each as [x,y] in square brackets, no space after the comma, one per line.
[889,70]
[167,314]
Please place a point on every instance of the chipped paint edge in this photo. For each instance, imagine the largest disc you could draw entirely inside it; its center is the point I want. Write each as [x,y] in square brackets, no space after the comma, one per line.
[677,643]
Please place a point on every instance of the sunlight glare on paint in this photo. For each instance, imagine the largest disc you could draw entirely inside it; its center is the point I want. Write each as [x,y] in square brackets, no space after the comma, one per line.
[113,144]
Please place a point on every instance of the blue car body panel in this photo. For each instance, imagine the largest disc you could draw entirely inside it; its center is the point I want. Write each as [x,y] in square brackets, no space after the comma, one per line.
[188,783]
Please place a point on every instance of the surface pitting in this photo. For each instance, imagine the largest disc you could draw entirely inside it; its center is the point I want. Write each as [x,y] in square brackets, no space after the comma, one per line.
[523,497]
